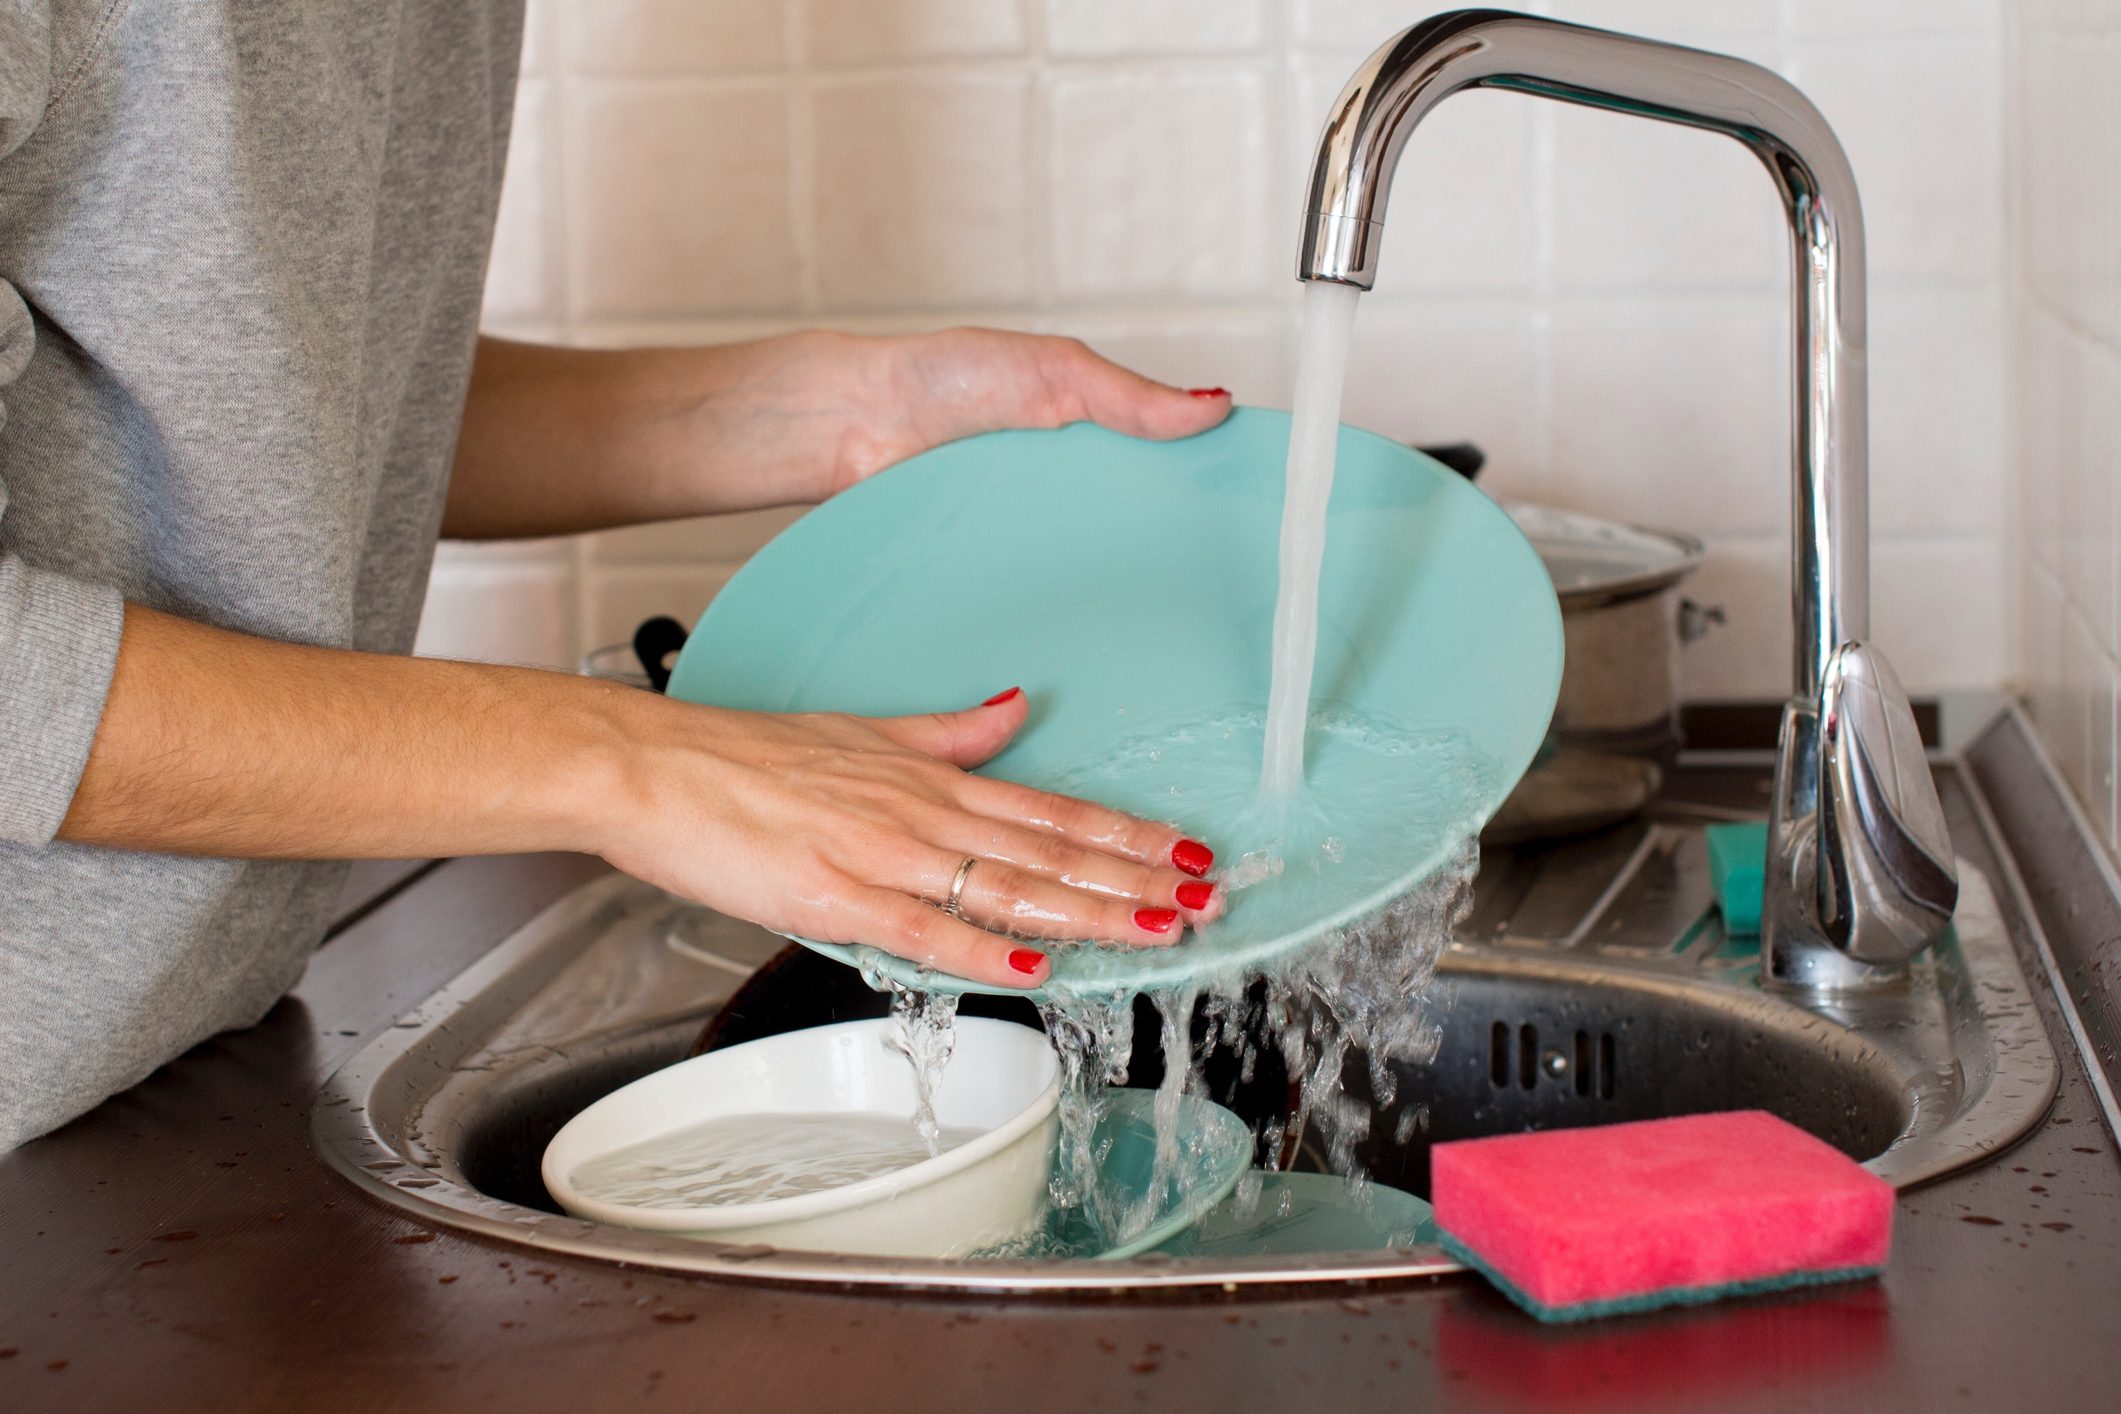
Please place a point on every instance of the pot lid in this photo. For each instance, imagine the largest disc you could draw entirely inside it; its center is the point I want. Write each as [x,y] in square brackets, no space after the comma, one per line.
[1596,560]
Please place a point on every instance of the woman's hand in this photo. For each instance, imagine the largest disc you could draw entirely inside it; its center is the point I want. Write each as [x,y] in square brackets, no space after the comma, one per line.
[851,829]
[560,440]
[909,394]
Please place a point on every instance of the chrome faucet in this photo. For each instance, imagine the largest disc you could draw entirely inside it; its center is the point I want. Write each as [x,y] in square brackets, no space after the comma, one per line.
[1860,869]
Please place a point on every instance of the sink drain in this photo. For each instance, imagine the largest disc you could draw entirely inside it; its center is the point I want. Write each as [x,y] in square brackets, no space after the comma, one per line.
[1591,1066]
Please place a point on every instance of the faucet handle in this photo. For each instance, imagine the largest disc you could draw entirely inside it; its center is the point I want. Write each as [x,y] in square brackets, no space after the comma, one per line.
[1886,882]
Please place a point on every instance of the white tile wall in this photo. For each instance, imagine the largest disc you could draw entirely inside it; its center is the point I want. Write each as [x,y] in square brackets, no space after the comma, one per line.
[679,199]
[1937,413]
[2064,93]
[844,32]
[522,278]
[1920,117]
[1667,407]
[1120,144]
[1600,303]
[1841,17]
[1428,371]
[920,192]
[1687,20]
[1619,224]
[1124,28]
[681,38]
[503,604]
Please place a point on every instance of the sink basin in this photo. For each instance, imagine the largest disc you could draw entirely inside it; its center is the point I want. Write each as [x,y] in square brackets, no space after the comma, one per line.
[1592,984]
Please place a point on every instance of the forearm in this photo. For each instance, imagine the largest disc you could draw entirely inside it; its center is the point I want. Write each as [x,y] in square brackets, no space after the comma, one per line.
[819,826]
[217,743]
[561,440]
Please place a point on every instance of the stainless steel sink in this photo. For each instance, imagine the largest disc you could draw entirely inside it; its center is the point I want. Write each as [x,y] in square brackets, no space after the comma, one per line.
[1592,984]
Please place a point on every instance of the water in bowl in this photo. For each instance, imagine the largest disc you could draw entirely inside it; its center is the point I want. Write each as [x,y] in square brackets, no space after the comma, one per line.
[756,1158]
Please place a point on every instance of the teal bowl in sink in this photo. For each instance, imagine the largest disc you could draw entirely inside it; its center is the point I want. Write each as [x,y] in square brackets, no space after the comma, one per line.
[1159,1208]
[1128,586]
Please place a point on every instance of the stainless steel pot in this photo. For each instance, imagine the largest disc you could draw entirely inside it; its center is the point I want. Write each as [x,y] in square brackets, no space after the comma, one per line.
[1624,621]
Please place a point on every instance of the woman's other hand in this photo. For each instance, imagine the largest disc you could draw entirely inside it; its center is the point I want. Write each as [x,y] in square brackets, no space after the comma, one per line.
[912,393]
[851,829]
[562,440]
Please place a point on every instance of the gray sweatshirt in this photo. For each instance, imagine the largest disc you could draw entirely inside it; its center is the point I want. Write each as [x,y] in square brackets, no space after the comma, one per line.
[241,251]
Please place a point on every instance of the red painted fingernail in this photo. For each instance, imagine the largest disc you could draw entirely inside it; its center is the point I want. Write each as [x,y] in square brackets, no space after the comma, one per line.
[1195,896]
[1000,697]
[1025,960]
[1155,920]
[1192,856]
[1209,392]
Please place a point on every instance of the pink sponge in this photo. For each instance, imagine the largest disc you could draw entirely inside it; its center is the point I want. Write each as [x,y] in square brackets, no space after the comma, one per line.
[1626,1217]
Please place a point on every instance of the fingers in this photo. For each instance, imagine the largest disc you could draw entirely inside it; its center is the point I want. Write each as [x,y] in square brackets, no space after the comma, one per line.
[924,934]
[1097,877]
[1091,826]
[1125,401]
[1005,899]
[964,739]
[1045,866]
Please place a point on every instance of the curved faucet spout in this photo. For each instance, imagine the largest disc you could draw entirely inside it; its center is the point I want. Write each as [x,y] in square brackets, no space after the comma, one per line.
[1829,923]
[1397,86]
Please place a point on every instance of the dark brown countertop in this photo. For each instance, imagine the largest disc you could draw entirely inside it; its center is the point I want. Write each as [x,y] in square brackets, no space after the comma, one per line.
[182,1248]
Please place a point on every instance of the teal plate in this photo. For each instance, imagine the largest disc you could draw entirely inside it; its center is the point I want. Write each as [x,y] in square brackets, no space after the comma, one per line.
[1296,1214]
[1128,587]
[1214,1151]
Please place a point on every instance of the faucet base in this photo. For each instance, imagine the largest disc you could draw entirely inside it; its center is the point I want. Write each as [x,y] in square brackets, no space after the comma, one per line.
[1822,971]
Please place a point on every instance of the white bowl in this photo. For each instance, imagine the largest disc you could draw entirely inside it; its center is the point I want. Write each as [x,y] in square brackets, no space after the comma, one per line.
[1003,1079]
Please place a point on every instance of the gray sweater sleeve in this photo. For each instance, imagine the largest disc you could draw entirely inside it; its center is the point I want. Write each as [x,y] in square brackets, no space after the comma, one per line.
[58,634]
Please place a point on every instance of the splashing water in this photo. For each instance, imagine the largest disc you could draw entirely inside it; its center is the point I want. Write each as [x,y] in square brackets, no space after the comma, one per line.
[1362,995]
[1314,435]
[924,1031]
[1358,994]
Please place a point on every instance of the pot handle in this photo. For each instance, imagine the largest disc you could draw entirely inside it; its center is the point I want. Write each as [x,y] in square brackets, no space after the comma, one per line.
[656,643]
[1462,457]
[1696,620]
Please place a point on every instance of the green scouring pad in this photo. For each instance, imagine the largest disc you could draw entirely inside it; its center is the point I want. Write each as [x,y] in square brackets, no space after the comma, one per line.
[1738,870]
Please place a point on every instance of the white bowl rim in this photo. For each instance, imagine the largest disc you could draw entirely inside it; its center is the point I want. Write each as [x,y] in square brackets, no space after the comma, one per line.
[803,1206]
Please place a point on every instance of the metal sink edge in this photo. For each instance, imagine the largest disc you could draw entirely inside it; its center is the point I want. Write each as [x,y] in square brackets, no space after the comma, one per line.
[385,1089]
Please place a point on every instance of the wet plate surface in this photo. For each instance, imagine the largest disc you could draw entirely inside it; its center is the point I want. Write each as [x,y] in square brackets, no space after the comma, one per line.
[1129,587]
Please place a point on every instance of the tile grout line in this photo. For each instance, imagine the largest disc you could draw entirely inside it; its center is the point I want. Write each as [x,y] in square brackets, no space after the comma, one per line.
[802,156]
[560,95]
[1038,122]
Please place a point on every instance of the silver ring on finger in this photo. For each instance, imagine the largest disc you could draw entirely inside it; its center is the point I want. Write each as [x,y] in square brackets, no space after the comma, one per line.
[954,905]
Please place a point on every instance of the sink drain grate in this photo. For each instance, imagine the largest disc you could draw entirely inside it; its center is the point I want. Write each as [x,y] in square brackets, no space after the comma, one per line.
[1514,1057]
